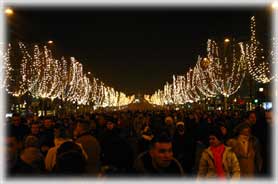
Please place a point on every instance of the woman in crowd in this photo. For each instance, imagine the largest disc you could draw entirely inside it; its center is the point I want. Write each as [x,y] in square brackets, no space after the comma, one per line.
[218,161]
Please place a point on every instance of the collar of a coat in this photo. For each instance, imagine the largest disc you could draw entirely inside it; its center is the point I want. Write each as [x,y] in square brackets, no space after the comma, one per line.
[227,149]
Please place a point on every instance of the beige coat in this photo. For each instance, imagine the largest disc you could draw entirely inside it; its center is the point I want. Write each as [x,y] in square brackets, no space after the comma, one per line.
[230,164]
[250,161]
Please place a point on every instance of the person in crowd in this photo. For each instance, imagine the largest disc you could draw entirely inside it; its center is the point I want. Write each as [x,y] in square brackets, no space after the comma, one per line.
[32,155]
[35,129]
[116,151]
[60,136]
[21,130]
[29,119]
[170,125]
[70,160]
[138,124]
[100,125]
[146,137]
[158,160]
[261,131]
[225,131]
[247,149]
[47,135]
[90,144]
[251,119]
[15,165]
[268,168]
[218,161]
[184,147]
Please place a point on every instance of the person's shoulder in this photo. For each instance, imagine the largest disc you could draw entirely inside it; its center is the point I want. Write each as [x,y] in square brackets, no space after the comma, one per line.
[141,162]
[21,168]
[143,155]
[231,142]
[228,149]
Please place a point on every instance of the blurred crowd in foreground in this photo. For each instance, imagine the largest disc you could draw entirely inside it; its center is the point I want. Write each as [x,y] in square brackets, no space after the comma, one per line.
[195,144]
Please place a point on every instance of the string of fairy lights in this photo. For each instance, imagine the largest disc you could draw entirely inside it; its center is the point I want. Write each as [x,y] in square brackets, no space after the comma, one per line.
[221,72]
[44,76]
[257,64]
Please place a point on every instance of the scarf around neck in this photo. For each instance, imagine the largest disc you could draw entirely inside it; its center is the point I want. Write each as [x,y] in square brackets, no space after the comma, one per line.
[218,155]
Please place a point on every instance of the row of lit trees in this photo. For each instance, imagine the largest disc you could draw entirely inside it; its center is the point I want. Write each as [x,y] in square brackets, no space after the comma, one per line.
[34,71]
[220,72]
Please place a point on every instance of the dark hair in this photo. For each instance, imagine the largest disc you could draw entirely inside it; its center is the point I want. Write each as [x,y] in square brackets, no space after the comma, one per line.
[48,117]
[250,112]
[163,137]
[240,127]
[62,130]
[110,119]
[16,114]
[12,133]
[70,159]
[85,125]
[35,123]
[215,131]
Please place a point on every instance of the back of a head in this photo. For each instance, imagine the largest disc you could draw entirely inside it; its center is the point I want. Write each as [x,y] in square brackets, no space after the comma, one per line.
[84,124]
[31,141]
[62,132]
[240,127]
[70,159]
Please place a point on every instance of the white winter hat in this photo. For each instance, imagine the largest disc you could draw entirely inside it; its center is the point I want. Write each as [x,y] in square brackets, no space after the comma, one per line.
[180,123]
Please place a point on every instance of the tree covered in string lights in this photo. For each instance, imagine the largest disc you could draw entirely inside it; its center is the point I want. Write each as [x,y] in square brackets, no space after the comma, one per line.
[228,66]
[5,68]
[256,57]
[202,77]
[43,76]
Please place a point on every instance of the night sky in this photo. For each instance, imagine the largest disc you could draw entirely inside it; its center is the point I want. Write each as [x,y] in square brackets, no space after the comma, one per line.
[135,50]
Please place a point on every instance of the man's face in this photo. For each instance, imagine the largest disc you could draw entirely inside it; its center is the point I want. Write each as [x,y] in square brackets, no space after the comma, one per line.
[162,154]
[180,129]
[47,123]
[268,118]
[252,118]
[57,132]
[213,141]
[109,125]
[35,129]
[16,120]
[223,130]
[12,146]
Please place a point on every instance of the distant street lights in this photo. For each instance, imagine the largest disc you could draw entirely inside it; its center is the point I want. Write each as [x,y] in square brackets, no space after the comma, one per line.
[227,40]
[50,42]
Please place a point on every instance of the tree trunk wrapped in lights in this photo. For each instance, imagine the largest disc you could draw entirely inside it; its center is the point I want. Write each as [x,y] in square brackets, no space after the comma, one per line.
[255,56]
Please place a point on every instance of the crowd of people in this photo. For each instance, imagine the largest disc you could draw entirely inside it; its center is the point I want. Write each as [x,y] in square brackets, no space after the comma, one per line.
[196,144]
